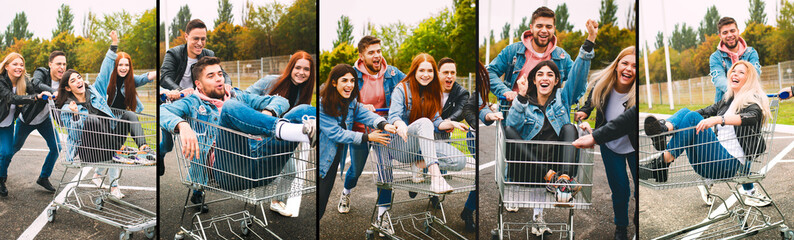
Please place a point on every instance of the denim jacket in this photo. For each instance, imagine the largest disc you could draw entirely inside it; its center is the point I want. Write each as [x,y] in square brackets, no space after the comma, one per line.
[512,57]
[331,133]
[264,85]
[400,109]
[193,107]
[74,125]
[391,78]
[720,63]
[528,119]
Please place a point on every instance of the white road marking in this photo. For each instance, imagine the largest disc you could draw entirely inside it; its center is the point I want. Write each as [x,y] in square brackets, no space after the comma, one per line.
[41,220]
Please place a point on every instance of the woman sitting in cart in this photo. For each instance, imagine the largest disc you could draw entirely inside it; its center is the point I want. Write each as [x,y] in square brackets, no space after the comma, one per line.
[739,118]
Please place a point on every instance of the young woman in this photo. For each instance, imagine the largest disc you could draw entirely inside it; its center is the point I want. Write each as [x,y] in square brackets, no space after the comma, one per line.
[541,112]
[122,94]
[613,93]
[338,110]
[15,90]
[296,84]
[738,117]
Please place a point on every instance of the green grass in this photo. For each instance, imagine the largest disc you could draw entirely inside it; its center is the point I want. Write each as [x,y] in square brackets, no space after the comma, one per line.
[785,112]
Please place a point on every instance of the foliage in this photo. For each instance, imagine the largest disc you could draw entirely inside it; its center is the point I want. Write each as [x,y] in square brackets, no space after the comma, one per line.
[708,26]
[343,53]
[292,30]
[344,31]
[683,37]
[505,31]
[757,14]
[524,26]
[224,13]
[391,37]
[607,12]
[222,40]
[64,20]
[261,22]
[561,13]
[465,19]
[183,16]
[17,29]
[659,43]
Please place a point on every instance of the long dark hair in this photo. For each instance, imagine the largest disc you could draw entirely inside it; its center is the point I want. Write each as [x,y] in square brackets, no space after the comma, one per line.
[431,104]
[532,90]
[64,95]
[331,99]
[483,84]
[130,94]
[284,82]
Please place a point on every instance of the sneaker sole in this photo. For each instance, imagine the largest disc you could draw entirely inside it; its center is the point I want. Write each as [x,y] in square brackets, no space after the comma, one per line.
[652,128]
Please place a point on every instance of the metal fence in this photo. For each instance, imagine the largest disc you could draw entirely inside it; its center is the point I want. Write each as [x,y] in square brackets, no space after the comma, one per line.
[700,90]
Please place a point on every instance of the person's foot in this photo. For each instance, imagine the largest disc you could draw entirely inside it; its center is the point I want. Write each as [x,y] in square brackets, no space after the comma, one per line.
[146,156]
[656,169]
[385,225]
[540,228]
[704,194]
[655,127]
[280,208]
[124,158]
[310,129]
[126,150]
[440,186]
[416,174]
[344,203]
[467,216]
[198,198]
[551,176]
[567,189]
[434,202]
[3,190]
[755,198]
[511,208]
[45,183]
[116,193]
[621,233]
[97,180]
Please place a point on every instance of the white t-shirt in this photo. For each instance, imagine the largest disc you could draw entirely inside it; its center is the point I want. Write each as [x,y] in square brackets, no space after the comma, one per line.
[444,98]
[11,111]
[187,81]
[44,112]
[727,137]
[614,108]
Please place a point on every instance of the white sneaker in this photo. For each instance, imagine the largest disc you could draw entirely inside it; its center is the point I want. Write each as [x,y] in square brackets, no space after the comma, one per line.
[704,194]
[416,174]
[310,129]
[344,203]
[116,193]
[540,228]
[755,198]
[440,186]
[280,208]
[385,225]
[511,208]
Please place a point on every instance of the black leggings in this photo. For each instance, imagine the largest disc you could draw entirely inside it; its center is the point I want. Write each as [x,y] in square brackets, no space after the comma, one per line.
[99,141]
[529,172]
[327,183]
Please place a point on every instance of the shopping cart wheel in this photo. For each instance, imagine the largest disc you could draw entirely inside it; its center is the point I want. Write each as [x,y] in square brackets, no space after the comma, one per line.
[179,236]
[51,214]
[370,234]
[787,234]
[150,233]
[245,225]
[427,225]
[125,236]
[494,234]
[99,202]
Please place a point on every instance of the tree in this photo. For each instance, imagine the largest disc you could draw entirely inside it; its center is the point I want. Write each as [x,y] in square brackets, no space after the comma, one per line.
[430,36]
[138,41]
[64,20]
[524,26]
[292,28]
[630,16]
[464,20]
[183,16]
[757,14]
[708,26]
[89,25]
[392,36]
[262,21]
[506,31]
[17,29]
[683,37]
[607,12]
[224,12]
[161,35]
[341,54]
[561,13]
[222,40]
[344,31]
[659,40]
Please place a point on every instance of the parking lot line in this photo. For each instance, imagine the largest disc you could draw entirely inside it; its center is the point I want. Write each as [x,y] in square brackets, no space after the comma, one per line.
[41,220]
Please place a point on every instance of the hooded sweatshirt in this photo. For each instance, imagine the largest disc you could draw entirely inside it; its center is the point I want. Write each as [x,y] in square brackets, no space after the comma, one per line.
[531,56]
[372,91]
[741,46]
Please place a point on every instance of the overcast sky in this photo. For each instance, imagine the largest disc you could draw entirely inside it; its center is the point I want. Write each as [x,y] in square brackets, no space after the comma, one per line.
[692,14]
[207,10]
[42,14]
[578,13]
[379,12]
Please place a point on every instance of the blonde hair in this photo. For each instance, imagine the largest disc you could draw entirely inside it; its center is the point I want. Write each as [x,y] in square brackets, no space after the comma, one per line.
[606,79]
[751,92]
[22,80]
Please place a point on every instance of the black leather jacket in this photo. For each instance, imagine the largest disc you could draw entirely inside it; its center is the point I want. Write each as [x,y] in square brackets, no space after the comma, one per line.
[749,133]
[617,127]
[453,108]
[42,81]
[175,65]
[8,96]
[601,121]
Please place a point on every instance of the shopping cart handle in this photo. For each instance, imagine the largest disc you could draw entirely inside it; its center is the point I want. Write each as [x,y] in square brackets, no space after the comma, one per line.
[783,95]
[501,98]
[164,97]
[381,110]
[45,97]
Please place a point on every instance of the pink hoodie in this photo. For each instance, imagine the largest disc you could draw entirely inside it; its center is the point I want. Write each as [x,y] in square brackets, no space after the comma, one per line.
[531,58]
[217,102]
[741,46]
[372,91]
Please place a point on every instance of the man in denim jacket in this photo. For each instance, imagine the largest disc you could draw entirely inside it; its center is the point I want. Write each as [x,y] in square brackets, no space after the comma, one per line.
[537,44]
[217,103]
[731,49]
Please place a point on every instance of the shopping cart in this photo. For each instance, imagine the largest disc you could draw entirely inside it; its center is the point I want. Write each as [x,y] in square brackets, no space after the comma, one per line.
[245,168]
[394,162]
[738,220]
[92,144]
[523,184]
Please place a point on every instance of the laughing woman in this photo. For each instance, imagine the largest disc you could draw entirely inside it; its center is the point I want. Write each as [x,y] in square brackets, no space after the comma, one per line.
[613,94]
[338,110]
[15,90]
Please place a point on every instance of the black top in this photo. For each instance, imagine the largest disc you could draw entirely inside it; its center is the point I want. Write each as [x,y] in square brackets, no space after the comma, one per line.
[292,95]
[453,107]
[547,132]
[8,96]
[118,100]
[175,65]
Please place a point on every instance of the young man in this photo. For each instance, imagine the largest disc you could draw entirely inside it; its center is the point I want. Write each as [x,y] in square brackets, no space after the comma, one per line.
[220,104]
[376,80]
[537,44]
[175,74]
[731,49]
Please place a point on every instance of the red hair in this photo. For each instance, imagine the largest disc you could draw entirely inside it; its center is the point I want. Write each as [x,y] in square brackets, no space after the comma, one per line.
[428,104]
[130,94]
[284,83]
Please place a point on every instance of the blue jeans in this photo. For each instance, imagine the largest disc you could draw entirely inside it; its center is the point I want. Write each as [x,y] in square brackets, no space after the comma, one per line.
[471,201]
[615,165]
[6,150]
[707,157]
[46,131]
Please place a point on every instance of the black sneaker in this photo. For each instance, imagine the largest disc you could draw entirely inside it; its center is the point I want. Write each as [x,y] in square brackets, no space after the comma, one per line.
[3,190]
[45,183]
[656,169]
[434,201]
[468,220]
[621,233]
[656,127]
[199,199]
